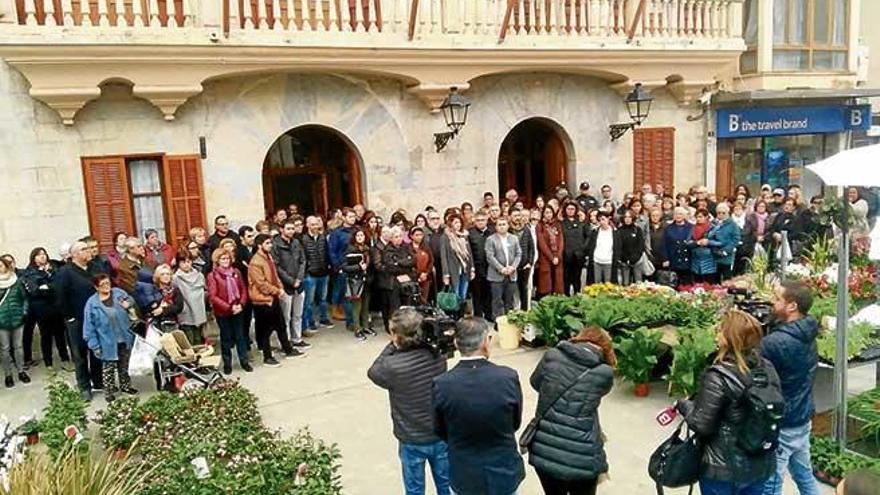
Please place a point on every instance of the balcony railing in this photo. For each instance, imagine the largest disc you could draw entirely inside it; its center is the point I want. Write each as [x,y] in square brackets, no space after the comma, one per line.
[404,20]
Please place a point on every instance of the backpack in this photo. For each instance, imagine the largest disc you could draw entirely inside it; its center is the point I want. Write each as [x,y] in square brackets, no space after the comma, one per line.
[762,398]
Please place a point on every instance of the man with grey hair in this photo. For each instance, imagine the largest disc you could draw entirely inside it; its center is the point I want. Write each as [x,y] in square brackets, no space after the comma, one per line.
[477,410]
[407,368]
[73,286]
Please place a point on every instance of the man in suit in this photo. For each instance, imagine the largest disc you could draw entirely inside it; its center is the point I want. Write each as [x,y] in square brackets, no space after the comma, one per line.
[503,254]
[477,410]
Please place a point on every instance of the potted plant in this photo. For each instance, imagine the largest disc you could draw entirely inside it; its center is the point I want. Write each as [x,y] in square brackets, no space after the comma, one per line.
[637,356]
[30,429]
[690,358]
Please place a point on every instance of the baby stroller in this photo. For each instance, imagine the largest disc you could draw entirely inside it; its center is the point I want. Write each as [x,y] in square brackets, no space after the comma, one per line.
[177,365]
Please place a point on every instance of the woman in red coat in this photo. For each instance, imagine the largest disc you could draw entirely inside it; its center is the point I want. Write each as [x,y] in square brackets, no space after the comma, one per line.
[424,262]
[550,245]
[229,295]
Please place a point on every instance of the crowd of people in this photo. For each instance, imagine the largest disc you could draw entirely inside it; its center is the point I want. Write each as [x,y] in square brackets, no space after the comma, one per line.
[289,273]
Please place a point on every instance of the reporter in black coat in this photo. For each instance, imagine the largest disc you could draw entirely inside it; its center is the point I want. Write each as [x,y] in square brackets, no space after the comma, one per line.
[477,410]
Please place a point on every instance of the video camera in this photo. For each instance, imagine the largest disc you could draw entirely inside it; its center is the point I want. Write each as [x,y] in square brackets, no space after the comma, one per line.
[745,301]
[438,329]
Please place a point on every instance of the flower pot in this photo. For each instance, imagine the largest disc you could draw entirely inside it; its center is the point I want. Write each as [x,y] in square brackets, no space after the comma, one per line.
[642,389]
[33,438]
[120,453]
[508,333]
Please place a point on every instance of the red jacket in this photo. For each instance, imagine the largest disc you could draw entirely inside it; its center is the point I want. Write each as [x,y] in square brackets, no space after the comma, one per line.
[167,253]
[219,295]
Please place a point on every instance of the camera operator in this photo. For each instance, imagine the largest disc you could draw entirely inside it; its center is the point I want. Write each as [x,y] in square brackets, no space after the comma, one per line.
[407,368]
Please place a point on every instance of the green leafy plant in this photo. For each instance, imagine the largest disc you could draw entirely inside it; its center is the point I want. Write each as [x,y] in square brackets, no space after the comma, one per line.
[30,427]
[759,267]
[689,359]
[70,472]
[866,407]
[859,336]
[518,318]
[827,459]
[827,306]
[832,211]
[820,254]
[637,354]
[65,408]
[557,317]
[223,426]
[119,423]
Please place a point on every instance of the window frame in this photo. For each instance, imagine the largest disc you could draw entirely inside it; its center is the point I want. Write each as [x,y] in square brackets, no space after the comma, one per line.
[810,46]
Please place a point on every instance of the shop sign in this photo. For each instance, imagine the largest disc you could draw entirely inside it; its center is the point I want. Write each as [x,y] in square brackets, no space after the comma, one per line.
[781,121]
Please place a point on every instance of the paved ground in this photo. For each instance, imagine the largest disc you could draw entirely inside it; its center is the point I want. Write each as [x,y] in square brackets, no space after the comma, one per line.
[328,391]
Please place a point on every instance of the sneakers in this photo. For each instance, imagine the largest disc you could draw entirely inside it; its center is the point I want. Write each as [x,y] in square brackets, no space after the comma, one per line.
[301,345]
[310,333]
[30,364]
[293,353]
[369,331]
[86,395]
[227,369]
[24,378]
[129,390]
[97,388]
[247,367]
[10,382]
[327,323]
[67,366]
[360,335]
[271,362]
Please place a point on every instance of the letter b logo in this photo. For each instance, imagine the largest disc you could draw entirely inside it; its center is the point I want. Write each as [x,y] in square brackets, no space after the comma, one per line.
[855,117]
[733,122]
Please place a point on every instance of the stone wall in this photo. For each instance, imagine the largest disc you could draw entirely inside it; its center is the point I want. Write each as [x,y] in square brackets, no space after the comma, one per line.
[43,201]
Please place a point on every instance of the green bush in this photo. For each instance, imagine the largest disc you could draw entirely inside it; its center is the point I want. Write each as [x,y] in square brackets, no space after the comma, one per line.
[65,408]
[689,359]
[637,354]
[224,426]
[826,457]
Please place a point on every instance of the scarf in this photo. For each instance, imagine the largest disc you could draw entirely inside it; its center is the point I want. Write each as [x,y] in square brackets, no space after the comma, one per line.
[700,230]
[167,293]
[8,280]
[762,221]
[459,244]
[228,275]
[740,221]
[553,231]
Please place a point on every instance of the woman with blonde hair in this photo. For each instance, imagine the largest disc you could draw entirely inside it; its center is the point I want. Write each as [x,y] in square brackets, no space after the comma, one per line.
[160,301]
[568,450]
[718,410]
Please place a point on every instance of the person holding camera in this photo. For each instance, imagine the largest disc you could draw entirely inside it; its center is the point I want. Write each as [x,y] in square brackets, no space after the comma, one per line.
[407,368]
[477,410]
[398,262]
[791,347]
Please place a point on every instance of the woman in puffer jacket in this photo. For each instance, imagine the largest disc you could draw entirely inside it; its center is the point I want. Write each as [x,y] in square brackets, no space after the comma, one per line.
[568,450]
[716,412]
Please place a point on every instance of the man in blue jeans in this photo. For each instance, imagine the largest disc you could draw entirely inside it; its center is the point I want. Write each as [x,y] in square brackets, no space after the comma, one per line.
[407,368]
[317,271]
[338,242]
[791,347]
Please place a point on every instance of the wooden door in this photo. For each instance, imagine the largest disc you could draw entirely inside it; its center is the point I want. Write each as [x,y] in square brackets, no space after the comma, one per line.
[555,161]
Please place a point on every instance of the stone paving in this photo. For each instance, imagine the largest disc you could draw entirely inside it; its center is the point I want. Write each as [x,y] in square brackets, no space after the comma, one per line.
[329,392]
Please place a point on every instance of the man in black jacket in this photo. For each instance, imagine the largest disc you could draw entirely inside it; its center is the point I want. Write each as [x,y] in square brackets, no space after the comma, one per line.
[477,410]
[317,275]
[290,260]
[74,287]
[434,238]
[221,231]
[528,246]
[407,369]
[791,347]
[586,201]
[481,294]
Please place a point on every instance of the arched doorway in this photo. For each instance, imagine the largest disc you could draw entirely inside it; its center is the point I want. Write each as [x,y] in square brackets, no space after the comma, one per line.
[533,158]
[314,167]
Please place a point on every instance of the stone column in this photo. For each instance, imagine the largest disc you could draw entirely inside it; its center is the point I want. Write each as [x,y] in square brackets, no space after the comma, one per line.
[7,12]
[765,36]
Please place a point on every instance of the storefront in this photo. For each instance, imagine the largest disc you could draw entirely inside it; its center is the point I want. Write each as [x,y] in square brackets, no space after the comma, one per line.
[772,142]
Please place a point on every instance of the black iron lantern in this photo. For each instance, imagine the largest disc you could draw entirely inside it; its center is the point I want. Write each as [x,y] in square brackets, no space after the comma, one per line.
[638,104]
[455,111]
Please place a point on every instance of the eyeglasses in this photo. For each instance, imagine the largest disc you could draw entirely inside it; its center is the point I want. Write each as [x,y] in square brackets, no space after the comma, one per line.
[222,224]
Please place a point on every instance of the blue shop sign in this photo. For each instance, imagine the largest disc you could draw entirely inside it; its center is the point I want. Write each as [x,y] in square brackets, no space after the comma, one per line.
[781,121]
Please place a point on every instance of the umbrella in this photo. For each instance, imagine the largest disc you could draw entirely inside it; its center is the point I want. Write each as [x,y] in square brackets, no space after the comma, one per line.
[852,167]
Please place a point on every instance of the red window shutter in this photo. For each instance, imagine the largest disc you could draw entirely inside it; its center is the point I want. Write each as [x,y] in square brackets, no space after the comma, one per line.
[108,198]
[183,195]
[654,157]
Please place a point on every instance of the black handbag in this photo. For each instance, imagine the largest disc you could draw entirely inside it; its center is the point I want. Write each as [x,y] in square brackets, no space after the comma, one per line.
[528,434]
[677,461]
